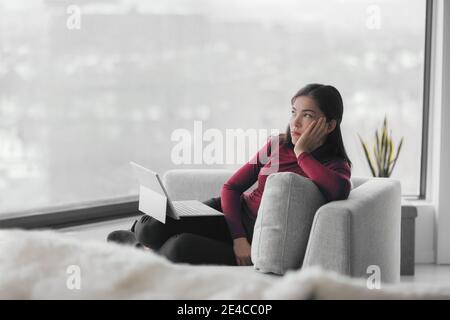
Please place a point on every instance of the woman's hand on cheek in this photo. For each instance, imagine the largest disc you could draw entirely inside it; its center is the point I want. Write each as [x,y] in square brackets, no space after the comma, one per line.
[312,138]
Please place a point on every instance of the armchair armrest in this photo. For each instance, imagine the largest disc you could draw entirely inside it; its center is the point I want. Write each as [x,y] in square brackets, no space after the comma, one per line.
[195,184]
[329,240]
[350,235]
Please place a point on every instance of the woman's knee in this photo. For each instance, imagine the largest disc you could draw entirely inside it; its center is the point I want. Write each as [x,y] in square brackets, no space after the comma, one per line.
[214,203]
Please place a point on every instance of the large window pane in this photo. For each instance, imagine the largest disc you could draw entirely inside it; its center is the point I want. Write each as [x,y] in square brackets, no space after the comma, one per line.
[76,105]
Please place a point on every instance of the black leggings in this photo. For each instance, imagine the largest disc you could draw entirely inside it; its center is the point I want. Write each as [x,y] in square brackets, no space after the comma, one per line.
[194,240]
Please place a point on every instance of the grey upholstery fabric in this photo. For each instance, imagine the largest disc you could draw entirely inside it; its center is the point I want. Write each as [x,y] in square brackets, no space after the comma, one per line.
[351,235]
[282,227]
[195,184]
[346,236]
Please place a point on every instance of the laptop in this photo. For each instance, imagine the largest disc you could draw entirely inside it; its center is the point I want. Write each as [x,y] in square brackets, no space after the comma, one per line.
[155,201]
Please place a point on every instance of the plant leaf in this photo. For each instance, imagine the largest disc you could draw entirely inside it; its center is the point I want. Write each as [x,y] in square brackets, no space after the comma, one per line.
[366,152]
[383,149]
[389,155]
[378,154]
[376,158]
[377,140]
[396,157]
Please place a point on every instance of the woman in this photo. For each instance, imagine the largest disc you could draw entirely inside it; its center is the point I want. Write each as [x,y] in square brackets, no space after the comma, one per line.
[312,147]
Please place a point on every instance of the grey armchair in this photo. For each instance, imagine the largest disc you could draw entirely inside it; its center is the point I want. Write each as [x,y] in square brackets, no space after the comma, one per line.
[346,236]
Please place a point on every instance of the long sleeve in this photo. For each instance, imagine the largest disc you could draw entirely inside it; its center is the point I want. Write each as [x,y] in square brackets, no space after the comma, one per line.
[332,179]
[239,182]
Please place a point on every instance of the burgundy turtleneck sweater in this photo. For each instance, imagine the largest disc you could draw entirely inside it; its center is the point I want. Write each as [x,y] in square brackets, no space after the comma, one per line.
[330,174]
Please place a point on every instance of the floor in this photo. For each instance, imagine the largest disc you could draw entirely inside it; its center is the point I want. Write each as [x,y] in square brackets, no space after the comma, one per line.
[429,274]
[99,231]
[424,273]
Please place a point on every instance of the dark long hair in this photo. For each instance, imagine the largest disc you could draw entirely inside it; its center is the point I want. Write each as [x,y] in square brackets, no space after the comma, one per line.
[329,101]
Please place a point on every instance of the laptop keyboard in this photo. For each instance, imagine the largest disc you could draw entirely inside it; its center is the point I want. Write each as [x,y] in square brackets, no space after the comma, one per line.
[194,208]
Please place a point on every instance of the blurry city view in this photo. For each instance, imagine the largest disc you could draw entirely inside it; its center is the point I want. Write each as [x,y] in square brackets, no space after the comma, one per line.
[78,104]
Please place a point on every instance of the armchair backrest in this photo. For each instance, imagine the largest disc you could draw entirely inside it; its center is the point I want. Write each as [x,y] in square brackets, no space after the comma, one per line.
[202,184]
[195,184]
[358,180]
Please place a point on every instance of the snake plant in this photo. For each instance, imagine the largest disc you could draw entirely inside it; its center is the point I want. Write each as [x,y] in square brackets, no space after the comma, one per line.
[383,152]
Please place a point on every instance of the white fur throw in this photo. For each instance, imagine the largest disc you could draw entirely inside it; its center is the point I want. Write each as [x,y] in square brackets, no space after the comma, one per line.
[50,265]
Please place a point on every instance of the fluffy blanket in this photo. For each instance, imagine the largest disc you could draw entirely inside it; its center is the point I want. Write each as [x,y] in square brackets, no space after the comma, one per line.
[50,265]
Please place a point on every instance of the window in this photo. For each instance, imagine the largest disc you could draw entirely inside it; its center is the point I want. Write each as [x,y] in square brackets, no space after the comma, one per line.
[86,87]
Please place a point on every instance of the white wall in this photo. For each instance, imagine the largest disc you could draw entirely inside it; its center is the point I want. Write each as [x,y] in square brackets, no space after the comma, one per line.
[425,231]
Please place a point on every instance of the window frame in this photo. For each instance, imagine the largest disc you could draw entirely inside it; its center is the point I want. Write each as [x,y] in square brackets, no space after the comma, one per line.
[70,215]
[426,98]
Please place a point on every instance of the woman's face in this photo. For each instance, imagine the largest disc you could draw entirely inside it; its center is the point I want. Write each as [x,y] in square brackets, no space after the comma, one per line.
[304,111]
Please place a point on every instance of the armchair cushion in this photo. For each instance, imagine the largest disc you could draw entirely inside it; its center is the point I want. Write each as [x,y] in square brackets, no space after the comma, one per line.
[284,221]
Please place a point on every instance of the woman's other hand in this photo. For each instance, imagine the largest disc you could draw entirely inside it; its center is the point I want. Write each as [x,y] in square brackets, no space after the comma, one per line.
[242,251]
